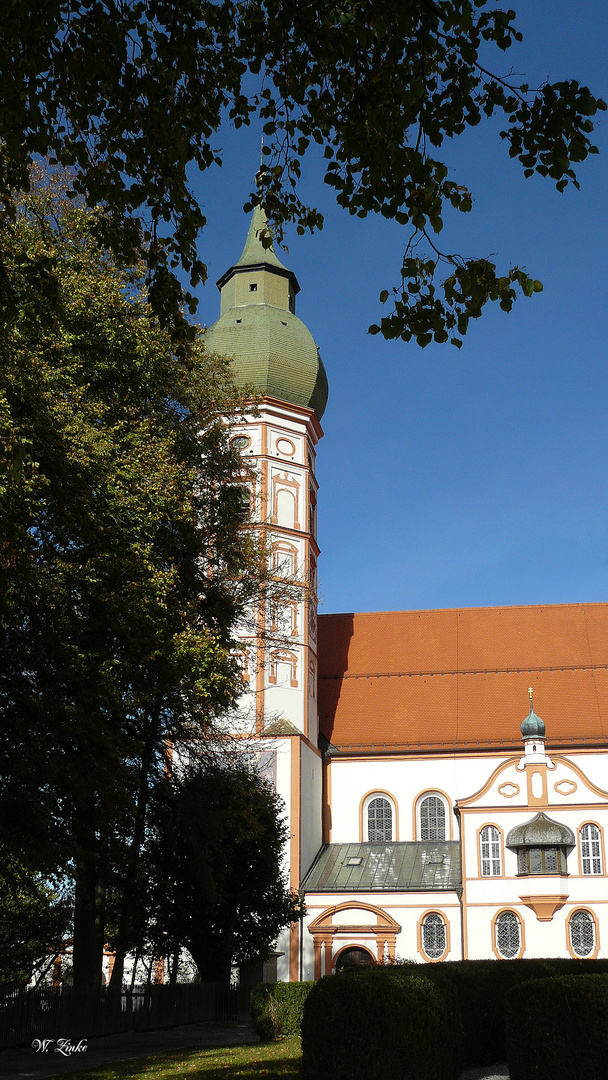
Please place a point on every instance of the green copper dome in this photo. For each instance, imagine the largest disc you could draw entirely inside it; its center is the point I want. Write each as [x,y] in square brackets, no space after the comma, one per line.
[533,727]
[271,349]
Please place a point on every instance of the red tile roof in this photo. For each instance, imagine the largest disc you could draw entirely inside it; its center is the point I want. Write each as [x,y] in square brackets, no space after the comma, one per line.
[459,678]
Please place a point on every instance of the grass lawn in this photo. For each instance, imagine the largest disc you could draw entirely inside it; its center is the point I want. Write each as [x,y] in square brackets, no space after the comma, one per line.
[281,1059]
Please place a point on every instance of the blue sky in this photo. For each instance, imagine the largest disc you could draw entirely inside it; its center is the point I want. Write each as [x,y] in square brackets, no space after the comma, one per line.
[459,478]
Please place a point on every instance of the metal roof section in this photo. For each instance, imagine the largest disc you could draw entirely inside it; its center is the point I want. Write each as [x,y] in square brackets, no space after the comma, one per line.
[411,866]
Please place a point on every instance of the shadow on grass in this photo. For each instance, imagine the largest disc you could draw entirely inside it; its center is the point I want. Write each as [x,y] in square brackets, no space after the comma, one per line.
[245,1062]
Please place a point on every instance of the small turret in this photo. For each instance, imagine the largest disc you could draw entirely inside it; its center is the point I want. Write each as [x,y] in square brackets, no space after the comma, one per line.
[533,733]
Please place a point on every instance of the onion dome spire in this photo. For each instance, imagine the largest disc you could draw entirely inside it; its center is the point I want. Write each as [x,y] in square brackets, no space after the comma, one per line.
[271,349]
[532,727]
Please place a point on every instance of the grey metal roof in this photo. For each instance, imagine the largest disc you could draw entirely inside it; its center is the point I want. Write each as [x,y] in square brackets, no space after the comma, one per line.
[428,865]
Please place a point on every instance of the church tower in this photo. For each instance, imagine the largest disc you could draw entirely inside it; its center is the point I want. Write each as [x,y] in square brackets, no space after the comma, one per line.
[274,353]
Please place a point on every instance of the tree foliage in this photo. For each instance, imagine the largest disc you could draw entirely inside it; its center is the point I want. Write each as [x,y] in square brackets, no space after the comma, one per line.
[130,93]
[34,923]
[218,887]
[124,559]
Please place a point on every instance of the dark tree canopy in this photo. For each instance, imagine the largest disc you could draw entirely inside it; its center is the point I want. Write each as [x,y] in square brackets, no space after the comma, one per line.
[125,562]
[215,860]
[131,94]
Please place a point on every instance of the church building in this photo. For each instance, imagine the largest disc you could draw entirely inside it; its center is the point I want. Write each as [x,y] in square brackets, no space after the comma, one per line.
[433,814]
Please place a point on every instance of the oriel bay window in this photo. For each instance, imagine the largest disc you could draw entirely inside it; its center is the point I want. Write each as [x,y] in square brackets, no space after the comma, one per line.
[542,846]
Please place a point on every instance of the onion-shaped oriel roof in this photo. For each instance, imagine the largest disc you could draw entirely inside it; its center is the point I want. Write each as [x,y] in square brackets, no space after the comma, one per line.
[541,831]
[271,349]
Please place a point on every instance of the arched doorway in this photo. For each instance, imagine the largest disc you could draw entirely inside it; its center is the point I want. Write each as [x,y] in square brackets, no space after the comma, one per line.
[354,956]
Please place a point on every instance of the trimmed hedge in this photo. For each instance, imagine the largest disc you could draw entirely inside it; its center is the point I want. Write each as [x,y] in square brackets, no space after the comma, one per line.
[383,1022]
[277,1008]
[481,986]
[474,990]
[557,1028]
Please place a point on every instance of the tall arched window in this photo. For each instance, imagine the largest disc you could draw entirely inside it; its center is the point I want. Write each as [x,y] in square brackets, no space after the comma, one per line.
[432,818]
[434,937]
[489,851]
[591,850]
[379,820]
[582,933]
[508,935]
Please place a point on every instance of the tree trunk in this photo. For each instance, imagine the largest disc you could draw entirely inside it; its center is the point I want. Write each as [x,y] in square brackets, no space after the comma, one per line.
[128,881]
[87,950]
[212,966]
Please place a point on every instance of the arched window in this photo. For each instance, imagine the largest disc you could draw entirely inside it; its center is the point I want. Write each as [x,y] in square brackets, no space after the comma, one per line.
[284,559]
[432,818]
[379,820]
[434,937]
[508,935]
[591,851]
[489,851]
[582,933]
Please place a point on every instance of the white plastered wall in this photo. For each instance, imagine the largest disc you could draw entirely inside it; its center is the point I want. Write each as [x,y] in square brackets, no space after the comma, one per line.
[405,779]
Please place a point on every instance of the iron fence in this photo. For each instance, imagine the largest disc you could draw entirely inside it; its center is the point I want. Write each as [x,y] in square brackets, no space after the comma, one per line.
[85,1013]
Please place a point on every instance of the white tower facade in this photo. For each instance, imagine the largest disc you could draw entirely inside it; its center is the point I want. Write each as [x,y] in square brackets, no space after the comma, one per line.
[274,353]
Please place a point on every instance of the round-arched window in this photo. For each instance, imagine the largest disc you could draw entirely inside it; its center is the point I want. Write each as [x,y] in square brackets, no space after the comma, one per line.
[508,935]
[434,936]
[582,933]
[432,818]
[379,820]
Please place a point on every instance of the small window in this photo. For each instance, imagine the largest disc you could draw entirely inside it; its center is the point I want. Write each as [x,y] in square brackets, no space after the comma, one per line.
[240,442]
[508,935]
[434,937]
[432,818]
[379,820]
[253,287]
[545,860]
[582,933]
[591,851]
[489,844]
[244,502]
